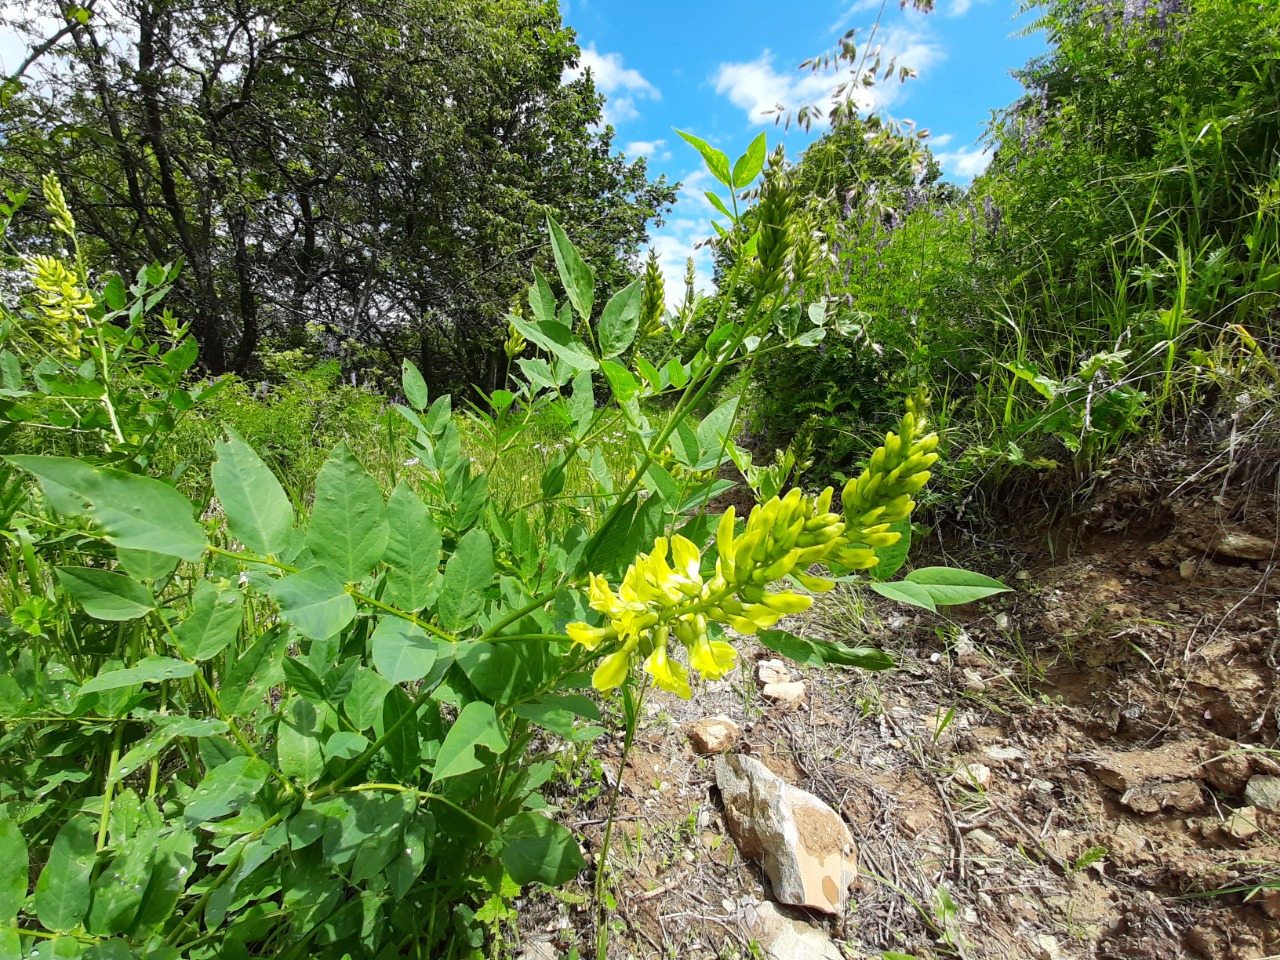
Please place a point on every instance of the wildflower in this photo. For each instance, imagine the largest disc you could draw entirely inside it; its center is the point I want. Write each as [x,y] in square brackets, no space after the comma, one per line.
[56,203]
[664,594]
[63,302]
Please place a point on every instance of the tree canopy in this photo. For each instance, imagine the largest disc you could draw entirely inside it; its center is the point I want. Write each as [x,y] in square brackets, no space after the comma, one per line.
[379,168]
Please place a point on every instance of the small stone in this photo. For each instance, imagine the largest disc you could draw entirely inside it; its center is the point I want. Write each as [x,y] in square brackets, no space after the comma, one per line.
[1184,796]
[713,735]
[1047,947]
[1243,824]
[973,775]
[540,950]
[1263,792]
[985,841]
[1270,904]
[772,671]
[1005,755]
[782,938]
[792,692]
[1245,546]
[973,681]
[1187,569]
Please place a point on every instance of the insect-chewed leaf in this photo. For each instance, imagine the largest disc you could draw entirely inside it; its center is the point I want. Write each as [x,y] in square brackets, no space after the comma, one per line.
[415,388]
[64,888]
[137,513]
[216,612]
[540,850]
[413,552]
[579,282]
[467,577]
[314,602]
[620,319]
[148,670]
[477,726]
[348,530]
[14,867]
[226,788]
[106,595]
[258,510]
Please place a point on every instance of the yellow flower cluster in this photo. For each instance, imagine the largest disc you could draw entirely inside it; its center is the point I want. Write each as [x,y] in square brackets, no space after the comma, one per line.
[56,203]
[63,303]
[515,342]
[661,598]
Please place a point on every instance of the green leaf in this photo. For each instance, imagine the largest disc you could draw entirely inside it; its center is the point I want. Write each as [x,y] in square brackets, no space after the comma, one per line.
[345,745]
[364,703]
[165,731]
[226,789]
[413,552]
[621,381]
[244,684]
[893,556]
[541,299]
[415,388]
[749,164]
[915,594]
[303,680]
[106,595]
[119,889]
[314,602]
[718,204]
[402,651]
[63,890]
[298,743]
[149,670]
[620,319]
[815,653]
[715,160]
[137,513]
[170,870]
[348,531]
[216,613]
[258,510]
[14,869]
[949,587]
[713,432]
[477,726]
[467,577]
[492,668]
[145,565]
[579,283]
[557,713]
[402,747]
[538,850]
[558,340]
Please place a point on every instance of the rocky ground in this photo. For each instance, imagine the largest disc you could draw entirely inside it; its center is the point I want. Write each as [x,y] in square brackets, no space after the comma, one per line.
[1086,767]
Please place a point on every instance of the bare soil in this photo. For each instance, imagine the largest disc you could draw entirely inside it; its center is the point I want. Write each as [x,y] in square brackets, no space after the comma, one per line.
[1049,774]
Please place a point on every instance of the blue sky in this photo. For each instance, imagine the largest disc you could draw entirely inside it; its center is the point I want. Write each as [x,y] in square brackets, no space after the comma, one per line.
[713,69]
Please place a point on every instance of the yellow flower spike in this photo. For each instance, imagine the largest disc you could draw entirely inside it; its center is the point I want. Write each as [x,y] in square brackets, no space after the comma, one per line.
[56,203]
[667,673]
[612,670]
[587,635]
[744,550]
[816,584]
[712,658]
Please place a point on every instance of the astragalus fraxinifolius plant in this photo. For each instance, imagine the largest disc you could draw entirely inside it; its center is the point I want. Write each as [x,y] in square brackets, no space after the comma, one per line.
[267,728]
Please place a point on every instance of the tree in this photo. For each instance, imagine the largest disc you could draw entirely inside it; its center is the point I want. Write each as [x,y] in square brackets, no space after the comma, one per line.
[378,168]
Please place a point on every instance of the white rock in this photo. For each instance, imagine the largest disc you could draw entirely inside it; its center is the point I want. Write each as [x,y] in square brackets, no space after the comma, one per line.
[1245,546]
[1243,824]
[804,847]
[782,938]
[791,692]
[713,734]
[1005,754]
[772,671]
[1263,792]
[973,775]
[540,950]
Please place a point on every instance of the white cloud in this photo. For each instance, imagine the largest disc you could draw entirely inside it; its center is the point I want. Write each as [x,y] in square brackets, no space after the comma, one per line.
[612,79]
[959,8]
[855,8]
[679,236]
[759,88]
[648,148]
[942,140]
[965,163]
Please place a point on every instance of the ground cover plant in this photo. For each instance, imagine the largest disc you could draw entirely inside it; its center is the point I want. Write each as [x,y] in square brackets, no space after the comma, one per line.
[317,726]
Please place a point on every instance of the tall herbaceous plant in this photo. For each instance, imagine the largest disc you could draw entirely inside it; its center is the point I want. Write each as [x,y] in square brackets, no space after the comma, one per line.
[254,727]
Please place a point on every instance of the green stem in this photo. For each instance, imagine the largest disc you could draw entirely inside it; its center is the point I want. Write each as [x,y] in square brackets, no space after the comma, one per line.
[602,864]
